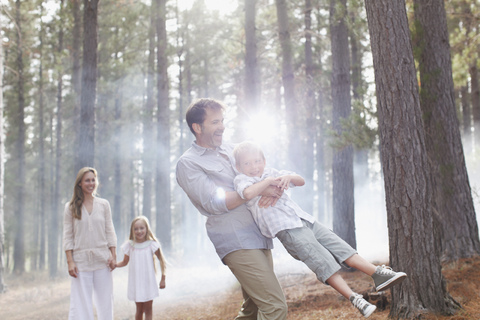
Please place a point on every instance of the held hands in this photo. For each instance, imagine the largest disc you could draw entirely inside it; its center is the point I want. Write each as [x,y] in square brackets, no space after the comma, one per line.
[72,269]
[112,263]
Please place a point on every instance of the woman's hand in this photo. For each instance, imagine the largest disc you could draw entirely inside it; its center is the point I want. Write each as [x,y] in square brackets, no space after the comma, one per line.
[112,263]
[72,269]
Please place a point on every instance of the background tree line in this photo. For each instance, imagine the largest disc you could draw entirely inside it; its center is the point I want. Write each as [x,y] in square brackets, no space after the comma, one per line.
[106,84]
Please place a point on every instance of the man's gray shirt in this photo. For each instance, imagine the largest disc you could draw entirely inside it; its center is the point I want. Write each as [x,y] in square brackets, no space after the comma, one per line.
[205,175]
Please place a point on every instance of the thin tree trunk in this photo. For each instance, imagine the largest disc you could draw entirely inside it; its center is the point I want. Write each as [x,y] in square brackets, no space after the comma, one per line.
[466,113]
[342,166]
[117,167]
[251,81]
[162,176]
[148,154]
[288,81]
[406,168]
[311,110]
[19,242]
[41,155]
[76,78]
[2,177]
[453,196]
[86,147]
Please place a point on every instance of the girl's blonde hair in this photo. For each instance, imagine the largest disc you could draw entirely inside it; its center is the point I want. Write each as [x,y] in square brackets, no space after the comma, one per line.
[76,202]
[149,236]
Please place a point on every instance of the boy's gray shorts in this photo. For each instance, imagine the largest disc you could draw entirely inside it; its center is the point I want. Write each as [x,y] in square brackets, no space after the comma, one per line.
[318,247]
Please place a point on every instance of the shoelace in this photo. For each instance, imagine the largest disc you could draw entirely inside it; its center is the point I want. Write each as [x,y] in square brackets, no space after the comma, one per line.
[360,303]
[386,270]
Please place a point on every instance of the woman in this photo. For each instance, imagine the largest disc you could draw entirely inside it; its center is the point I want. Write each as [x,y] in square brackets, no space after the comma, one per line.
[89,241]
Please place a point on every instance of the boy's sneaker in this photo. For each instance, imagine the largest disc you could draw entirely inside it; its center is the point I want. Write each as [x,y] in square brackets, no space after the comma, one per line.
[362,305]
[384,277]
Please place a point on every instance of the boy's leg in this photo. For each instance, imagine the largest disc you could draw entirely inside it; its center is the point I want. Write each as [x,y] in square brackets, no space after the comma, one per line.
[81,307]
[254,270]
[338,283]
[338,247]
[302,245]
[103,293]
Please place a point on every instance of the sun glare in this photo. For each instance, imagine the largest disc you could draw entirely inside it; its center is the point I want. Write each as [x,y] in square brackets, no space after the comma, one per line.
[262,128]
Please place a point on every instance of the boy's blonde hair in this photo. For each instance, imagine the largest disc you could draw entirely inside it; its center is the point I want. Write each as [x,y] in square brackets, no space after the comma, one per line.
[246,147]
[150,236]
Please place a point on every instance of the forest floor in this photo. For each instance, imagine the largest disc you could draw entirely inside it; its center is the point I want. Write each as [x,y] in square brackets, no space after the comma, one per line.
[33,296]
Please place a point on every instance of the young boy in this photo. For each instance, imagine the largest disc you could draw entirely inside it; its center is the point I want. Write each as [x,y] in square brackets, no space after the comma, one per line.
[304,238]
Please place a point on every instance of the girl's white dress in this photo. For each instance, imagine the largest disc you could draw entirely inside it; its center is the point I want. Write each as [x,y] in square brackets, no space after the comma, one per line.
[142,282]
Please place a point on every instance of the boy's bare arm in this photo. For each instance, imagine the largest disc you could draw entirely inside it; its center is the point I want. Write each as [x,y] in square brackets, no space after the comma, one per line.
[256,189]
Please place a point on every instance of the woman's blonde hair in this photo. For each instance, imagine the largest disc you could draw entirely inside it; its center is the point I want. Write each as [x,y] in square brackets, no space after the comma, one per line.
[150,236]
[76,202]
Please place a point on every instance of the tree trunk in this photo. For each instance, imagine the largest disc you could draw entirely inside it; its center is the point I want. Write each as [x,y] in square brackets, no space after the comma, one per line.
[466,114]
[2,177]
[41,155]
[86,147]
[76,79]
[148,144]
[252,81]
[342,166]
[475,96]
[452,194]
[288,81]
[162,176]
[117,167]
[405,165]
[360,152]
[19,242]
[311,112]
[54,229]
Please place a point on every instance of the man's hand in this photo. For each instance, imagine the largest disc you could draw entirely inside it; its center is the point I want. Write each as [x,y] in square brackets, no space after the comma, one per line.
[270,197]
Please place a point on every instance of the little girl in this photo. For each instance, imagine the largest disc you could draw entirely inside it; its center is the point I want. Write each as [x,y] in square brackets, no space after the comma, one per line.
[142,283]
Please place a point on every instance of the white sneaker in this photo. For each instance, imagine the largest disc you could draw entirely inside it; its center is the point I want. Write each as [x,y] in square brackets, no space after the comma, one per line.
[365,307]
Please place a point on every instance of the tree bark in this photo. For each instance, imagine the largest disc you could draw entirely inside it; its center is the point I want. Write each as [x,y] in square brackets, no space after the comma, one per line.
[76,78]
[2,176]
[342,166]
[147,116]
[86,147]
[19,242]
[251,81]
[453,196]
[162,176]
[311,112]
[406,168]
[56,212]
[288,81]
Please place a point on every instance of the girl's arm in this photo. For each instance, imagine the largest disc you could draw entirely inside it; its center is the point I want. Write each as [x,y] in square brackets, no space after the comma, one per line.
[124,262]
[163,267]
[256,189]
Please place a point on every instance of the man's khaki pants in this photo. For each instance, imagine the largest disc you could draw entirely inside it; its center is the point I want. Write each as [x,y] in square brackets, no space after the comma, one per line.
[263,296]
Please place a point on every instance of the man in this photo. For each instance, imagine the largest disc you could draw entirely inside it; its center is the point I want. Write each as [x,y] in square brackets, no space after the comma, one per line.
[206,172]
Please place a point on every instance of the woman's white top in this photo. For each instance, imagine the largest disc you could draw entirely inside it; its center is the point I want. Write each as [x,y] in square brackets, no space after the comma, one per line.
[90,237]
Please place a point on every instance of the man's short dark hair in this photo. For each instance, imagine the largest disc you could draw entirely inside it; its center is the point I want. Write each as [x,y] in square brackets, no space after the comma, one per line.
[196,112]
